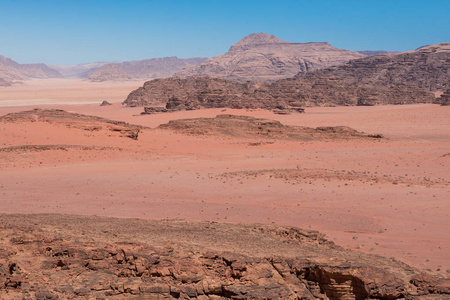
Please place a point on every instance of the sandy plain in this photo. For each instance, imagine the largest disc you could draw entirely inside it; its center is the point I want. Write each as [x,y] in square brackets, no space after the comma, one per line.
[392,201]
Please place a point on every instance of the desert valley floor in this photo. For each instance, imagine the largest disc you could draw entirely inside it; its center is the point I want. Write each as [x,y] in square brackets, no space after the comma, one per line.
[386,196]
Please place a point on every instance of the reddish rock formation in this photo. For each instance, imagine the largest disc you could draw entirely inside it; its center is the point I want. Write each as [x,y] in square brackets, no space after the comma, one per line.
[105,103]
[403,78]
[105,258]
[73,120]
[171,94]
[249,127]
[264,57]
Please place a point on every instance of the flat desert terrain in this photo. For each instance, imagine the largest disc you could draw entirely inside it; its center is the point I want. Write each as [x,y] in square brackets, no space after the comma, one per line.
[387,196]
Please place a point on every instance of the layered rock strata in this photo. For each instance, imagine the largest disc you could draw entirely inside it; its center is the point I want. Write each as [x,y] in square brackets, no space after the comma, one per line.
[104,258]
[264,57]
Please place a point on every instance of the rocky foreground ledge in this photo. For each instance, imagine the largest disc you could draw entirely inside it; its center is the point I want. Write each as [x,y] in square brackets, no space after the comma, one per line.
[72,257]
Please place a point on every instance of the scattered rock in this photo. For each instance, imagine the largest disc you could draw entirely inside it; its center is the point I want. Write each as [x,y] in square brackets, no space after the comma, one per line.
[105,103]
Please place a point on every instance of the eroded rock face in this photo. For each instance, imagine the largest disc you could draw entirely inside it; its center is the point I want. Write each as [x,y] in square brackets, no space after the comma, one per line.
[172,94]
[403,78]
[97,258]
[264,57]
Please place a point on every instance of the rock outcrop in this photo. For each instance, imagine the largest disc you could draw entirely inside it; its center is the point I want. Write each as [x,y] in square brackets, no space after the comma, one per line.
[74,120]
[109,72]
[105,103]
[444,99]
[106,258]
[427,67]
[402,78]
[249,127]
[173,94]
[264,57]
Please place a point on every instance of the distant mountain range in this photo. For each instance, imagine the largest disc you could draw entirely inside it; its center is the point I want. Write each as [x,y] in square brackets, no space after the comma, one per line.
[376,52]
[140,69]
[264,57]
[257,57]
[11,71]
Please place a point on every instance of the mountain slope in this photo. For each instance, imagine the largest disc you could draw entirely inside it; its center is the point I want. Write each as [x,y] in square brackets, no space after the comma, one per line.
[79,70]
[376,52]
[109,72]
[264,57]
[158,67]
[140,69]
[11,71]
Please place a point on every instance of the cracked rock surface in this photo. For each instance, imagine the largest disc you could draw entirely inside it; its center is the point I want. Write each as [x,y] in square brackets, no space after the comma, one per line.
[73,257]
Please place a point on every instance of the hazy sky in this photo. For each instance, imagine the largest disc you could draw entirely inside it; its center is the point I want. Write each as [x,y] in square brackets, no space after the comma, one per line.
[79,31]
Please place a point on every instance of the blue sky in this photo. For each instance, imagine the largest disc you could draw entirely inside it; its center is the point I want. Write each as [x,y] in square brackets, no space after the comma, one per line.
[70,32]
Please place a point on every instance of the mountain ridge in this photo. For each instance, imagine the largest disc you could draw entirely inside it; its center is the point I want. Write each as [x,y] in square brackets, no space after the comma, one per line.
[11,71]
[264,57]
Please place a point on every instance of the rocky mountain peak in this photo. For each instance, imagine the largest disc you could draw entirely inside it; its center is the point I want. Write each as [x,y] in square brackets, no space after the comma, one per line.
[260,38]
[264,57]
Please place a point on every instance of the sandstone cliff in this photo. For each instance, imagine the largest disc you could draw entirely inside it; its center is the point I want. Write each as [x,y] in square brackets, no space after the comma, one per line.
[196,90]
[264,57]
[428,67]
[401,78]
[171,94]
